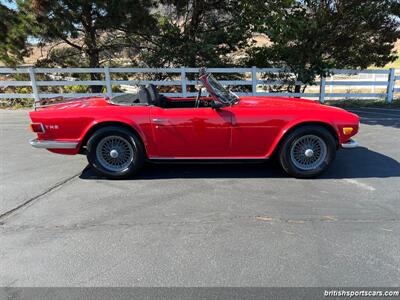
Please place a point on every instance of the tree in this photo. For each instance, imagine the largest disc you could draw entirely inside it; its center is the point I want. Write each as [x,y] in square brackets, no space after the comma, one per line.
[14,32]
[93,28]
[312,36]
[195,33]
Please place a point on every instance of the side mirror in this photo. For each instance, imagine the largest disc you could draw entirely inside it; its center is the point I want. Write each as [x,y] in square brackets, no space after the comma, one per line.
[216,105]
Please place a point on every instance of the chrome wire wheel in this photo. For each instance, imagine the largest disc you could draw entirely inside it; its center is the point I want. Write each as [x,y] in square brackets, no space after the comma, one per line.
[308,152]
[115,153]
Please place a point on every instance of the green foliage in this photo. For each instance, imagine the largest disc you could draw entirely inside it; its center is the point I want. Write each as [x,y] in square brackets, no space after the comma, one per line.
[195,33]
[93,31]
[19,102]
[23,90]
[76,89]
[14,31]
[309,37]
[114,88]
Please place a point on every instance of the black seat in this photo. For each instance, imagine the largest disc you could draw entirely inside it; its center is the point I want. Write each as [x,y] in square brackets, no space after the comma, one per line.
[142,97]
[154,95]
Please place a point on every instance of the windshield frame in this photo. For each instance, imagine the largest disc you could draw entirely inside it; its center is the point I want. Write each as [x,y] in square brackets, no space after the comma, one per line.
[217,91]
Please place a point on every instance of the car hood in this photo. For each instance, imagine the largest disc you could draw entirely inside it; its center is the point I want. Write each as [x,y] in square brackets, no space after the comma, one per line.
[294,106]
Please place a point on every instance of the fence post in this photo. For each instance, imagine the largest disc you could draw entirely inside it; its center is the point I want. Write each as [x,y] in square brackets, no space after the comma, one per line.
[254,81]
[183,82]
[33,84]
[108,81]
[322,89]
[390,86]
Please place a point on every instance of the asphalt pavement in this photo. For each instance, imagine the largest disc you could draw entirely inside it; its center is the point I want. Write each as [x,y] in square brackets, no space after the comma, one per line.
[201,225]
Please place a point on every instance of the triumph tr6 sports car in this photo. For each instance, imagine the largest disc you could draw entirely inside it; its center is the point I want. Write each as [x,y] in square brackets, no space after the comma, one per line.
[119,134]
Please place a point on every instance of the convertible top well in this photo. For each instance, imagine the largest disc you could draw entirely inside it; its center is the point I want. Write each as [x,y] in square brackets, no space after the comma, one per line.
[131,99]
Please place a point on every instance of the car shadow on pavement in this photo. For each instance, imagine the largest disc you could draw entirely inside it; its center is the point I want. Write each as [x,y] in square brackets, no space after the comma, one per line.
[355,163]
[201,170]
[362,163]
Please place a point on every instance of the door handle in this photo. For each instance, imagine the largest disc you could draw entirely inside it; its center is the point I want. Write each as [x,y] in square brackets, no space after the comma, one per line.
[159,121]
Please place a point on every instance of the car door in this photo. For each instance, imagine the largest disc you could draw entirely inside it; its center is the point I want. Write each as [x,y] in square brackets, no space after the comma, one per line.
[191,132]
[253,130]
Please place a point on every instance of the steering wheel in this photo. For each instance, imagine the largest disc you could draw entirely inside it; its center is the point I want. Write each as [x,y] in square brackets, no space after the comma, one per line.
[197,103]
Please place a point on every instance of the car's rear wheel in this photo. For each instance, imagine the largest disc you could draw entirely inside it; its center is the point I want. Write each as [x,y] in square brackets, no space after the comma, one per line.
[115,152]
[307,151]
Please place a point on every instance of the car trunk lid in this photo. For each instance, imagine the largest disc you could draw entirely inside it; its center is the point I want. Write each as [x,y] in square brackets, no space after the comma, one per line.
[61,103]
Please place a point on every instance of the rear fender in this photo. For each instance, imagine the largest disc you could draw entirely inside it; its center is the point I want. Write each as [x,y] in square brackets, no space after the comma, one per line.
[113,121]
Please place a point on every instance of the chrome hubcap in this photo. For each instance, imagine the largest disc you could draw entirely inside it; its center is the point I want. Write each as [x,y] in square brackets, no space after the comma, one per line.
[308,152]
[115,153]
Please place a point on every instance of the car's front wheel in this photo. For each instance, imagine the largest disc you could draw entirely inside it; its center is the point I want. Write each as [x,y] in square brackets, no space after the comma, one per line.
[115,152]
[307,151]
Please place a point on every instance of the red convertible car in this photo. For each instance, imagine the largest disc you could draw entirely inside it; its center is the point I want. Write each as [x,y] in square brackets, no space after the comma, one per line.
[119,134]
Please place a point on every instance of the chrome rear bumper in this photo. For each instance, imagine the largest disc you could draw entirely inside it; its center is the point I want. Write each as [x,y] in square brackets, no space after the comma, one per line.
[350,144]
[48,144]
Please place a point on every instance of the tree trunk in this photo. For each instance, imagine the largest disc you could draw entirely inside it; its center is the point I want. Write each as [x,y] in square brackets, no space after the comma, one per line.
[297,89]
[191,31]
[92,52]
[94,62]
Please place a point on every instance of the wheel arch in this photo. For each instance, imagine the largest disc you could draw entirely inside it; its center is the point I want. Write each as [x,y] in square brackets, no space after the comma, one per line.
[96,126]
[284,133]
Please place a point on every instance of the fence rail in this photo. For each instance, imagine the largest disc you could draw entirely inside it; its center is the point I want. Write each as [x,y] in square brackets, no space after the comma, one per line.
[388,81]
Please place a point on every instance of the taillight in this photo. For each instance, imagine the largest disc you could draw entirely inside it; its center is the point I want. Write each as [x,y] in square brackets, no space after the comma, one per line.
[37,127]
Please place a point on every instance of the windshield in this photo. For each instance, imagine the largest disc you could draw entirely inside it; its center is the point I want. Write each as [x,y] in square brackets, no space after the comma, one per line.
[224,95]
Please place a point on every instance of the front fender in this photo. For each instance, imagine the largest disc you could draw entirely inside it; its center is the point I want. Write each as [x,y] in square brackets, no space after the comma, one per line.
[295,123]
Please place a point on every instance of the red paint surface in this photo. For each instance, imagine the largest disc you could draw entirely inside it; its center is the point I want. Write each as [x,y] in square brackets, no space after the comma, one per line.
[250,129]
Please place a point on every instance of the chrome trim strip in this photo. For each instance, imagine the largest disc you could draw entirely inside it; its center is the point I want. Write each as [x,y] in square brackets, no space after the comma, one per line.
[210,158]
[49,144]
[350,144]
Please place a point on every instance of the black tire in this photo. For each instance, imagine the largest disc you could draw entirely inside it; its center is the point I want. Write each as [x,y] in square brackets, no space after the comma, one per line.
[124,140]
[295,163]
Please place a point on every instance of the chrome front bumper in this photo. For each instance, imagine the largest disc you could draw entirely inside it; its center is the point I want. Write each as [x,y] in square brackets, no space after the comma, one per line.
[48,144]
[350,144]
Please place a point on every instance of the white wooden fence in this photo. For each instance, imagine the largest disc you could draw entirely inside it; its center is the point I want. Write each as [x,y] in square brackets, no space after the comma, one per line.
[388,82]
